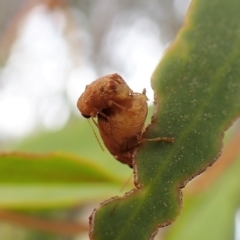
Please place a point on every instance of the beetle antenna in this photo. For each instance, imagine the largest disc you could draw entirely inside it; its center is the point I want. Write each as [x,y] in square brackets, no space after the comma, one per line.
[126,183]
[95,133]
[122,188]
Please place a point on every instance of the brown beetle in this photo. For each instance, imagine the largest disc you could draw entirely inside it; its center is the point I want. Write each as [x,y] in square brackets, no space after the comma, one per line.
[121,126]
[121,115]
[98,94]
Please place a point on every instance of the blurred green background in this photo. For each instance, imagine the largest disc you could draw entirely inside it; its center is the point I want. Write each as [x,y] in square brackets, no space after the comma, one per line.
[49,51]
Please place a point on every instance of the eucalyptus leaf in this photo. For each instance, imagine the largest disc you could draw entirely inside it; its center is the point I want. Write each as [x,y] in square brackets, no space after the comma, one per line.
[52,180]
[197,90]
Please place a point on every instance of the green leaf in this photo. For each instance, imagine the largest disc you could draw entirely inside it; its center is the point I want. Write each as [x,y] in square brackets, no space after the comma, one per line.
[198,86]
[44,196]
[52,180]
[50,168]
[76,138]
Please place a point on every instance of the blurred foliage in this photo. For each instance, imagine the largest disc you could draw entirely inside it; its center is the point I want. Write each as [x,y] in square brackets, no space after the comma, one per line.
[78,138]
[207,211]
[96,19]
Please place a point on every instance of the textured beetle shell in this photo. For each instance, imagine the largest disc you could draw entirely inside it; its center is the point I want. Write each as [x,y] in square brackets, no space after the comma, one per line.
[96,95]
[122,131]
[121,114]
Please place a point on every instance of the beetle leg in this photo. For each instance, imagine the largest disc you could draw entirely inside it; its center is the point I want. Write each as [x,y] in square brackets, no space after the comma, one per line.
[104,115]
[158,139]
[94,113]
[110,103]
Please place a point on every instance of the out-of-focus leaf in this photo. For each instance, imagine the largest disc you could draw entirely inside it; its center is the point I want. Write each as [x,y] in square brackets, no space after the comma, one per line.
[43,196]
[50,168]
[76,138]
[198,86]
[52,180]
